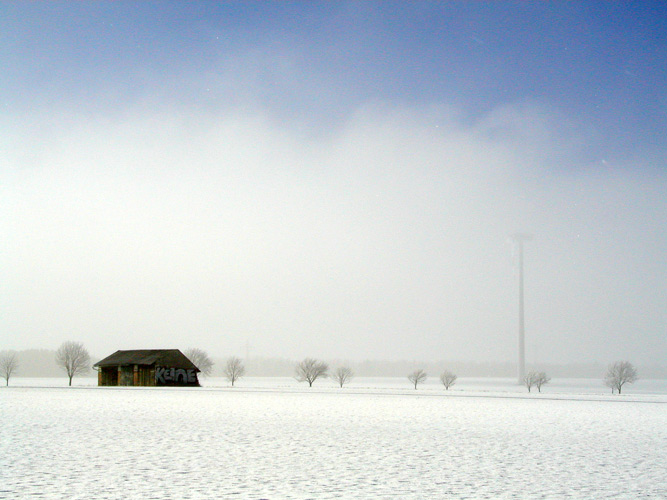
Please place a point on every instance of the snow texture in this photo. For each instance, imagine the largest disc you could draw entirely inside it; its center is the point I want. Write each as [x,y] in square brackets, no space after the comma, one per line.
[300,443]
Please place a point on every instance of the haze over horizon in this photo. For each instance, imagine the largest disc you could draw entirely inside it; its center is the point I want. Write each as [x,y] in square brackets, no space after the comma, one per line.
[335,179]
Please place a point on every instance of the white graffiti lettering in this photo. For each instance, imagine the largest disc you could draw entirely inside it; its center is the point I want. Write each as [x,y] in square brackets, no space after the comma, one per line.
[181,375]
[165,375]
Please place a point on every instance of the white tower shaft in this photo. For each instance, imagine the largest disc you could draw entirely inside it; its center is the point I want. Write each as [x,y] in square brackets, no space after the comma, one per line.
[522,326]
[519,238]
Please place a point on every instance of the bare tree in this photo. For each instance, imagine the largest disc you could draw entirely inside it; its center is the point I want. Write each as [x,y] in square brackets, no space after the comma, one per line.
[529,380]
[448,379]
[309,370]
[541,378]
[618,374]
[234,369]
[201,360]
[343,375]
[73,358]
[417,377]
[8,364]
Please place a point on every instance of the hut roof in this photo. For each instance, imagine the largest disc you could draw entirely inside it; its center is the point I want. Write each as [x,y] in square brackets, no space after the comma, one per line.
[160,357]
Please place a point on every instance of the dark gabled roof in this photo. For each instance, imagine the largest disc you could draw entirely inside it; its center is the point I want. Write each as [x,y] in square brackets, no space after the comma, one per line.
[172,358]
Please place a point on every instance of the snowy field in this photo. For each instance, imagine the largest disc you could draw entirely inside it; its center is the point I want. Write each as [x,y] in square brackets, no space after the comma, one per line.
[376,439]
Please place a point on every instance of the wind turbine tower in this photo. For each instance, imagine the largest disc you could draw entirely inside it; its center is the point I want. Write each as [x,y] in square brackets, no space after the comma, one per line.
[519,239]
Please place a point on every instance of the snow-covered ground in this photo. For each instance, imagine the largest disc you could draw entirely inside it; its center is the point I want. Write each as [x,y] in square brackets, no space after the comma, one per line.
[275,439]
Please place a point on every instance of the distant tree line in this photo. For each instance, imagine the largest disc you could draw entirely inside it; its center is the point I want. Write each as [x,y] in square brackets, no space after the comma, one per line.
[74,359]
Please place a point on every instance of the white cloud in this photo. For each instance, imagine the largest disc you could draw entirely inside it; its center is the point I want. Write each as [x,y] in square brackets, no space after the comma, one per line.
[383,238]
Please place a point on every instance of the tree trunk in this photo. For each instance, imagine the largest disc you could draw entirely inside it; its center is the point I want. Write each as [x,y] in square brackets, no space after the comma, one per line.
[70,381]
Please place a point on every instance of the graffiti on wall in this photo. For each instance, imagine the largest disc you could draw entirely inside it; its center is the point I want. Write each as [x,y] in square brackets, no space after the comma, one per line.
[166,375]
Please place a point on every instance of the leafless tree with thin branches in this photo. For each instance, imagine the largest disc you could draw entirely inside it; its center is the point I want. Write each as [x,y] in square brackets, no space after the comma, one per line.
[343,375]
[541,378]
[201,360]
[448,379]
[417,377]
[618,374]
[309,370]
[234,369]
[73,358]
[529,380]
[8,364]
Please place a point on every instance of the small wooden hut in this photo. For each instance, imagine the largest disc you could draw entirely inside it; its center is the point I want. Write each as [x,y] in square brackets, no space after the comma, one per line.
[147,367]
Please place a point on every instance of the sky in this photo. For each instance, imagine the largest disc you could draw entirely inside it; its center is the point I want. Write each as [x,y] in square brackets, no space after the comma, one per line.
[335,179]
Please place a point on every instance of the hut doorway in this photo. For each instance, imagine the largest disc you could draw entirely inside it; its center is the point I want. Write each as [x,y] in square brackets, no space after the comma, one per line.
[109,376]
